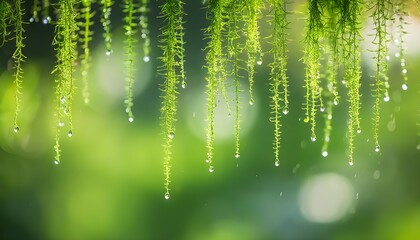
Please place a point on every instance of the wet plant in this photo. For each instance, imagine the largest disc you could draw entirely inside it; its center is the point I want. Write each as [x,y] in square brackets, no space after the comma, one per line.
[106,7]
[65,41]
[172,45]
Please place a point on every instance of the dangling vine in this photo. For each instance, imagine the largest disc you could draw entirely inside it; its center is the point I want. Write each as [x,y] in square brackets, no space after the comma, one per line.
[144,24]
[130,31]
[106,24]
[65,44]
[215,67]
[46,18]
[5,18]
[400,14]
[380,16]
[85,38]
[172,44]
[252,45]
[18,58]
[314,31]
[279,85]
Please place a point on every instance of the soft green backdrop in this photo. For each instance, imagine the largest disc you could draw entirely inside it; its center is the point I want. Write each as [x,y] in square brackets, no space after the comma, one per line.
[110,182]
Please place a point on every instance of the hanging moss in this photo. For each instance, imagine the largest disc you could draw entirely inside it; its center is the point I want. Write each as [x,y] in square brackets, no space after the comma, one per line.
[5,21]
[106,24]
[85,33]
[144,24]
[65,41]
[18,57]
[172,44]
[279,84]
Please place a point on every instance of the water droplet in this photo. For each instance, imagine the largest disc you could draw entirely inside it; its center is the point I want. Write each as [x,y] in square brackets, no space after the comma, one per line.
[306,120]
[146,58]
[324,153]
[108,52]
[63,99]
[207,161]
[167,196]
[404,87]
[46,20]
[402,64]
[61,124]
[16,129]
[397,55]
[327,138]
[251,102]
[130,119]
[229,115]
[183,85]
[404,71]
[322,109]
[386,98]
[70,133]
[335,102]
[56,162]
[259,62]
[351,163]
[359,130]
[313,138]
[277,163]
[329,116]
[285,111]
[211,169]
[237,155]
[377,149]
[171,135]
[388,57]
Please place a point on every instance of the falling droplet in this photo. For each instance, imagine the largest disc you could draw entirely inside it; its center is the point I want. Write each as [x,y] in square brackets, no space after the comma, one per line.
[377,149]
[146,58]
[171,135]
[108,52]
[386,98]
[237,155]
[56,162]
[70,133]
[277,163]
[313,138]
[211,169]
[324,153]
[61,124]
[404,87]
[167,196]
[351,163]
[251,102]
[285,111]
[130,119]
[359,130]
[16,129]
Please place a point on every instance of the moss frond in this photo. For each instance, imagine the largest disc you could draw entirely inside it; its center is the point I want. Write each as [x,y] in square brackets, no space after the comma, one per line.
[252,44]
[85,34]
[65,41]
[6,15]
[46,18]
[36,6]
[106,24]
[279,84]
[130,30]
[172,45]
[144,25]
[18,57]
[399,19]
[380,15]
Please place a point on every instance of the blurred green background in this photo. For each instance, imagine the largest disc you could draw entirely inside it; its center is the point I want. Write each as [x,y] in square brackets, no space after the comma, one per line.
[110,182]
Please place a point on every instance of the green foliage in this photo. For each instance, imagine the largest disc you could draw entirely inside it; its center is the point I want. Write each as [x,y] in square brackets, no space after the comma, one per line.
[279,84]
[18,57]
[144,24]
[106,24]
[172,44]
[130,31]
[85,33]
[380,16]
[5,21]
[65,41]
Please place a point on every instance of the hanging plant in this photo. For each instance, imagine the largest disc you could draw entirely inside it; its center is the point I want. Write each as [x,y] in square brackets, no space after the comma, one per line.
[65,45]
